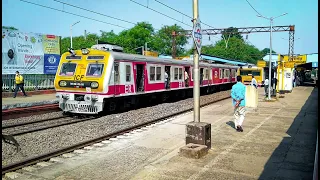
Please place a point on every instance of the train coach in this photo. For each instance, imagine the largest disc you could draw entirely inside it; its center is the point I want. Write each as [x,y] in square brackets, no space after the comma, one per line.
[103,78]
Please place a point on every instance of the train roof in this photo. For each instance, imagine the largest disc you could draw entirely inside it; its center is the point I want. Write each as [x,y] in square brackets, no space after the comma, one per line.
[136,57]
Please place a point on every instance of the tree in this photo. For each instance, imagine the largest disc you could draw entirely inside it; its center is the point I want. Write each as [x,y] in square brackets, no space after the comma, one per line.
[266,51]
[232,32]
[162,41]
[9,27]
[135,37]
[237,50]
[78,42]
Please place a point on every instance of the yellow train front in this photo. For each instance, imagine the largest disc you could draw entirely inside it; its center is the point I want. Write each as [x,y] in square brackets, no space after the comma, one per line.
[80,78]
[246,72]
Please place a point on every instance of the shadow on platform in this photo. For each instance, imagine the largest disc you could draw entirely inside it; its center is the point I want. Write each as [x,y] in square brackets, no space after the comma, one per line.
[294,157]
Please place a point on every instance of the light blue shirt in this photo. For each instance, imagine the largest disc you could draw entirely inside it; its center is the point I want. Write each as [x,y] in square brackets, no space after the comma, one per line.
[238,92]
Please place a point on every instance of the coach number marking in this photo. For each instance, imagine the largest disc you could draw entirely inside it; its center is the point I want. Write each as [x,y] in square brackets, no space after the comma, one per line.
[78,77]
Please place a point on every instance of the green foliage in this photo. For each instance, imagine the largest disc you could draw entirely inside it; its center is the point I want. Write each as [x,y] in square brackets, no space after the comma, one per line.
[231,32]
[237,50]
[266,51]
[131,39]
[9,27]
[162,42]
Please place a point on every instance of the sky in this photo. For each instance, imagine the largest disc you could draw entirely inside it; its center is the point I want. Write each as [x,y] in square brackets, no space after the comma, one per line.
[218,14]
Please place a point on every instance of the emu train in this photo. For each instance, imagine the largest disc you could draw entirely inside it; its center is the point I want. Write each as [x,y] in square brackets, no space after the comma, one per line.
[89,81]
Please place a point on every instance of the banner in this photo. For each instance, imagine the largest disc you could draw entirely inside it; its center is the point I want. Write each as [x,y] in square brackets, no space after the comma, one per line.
[51,62]
[51,44]
[21,52]
[24,52]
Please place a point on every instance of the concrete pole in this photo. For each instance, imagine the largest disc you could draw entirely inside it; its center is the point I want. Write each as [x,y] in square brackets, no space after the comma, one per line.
[270,58]
[196,75]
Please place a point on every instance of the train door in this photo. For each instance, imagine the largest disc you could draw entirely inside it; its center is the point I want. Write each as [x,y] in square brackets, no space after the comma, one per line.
[168,76]
[187,79]
[116,79]
[140,77]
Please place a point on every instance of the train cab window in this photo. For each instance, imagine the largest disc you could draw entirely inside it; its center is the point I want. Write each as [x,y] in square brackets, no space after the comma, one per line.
[180,73]
[95,70]
[152,73]
[220,73]
[176,73]
[68,69]
[158,72]
[128,73]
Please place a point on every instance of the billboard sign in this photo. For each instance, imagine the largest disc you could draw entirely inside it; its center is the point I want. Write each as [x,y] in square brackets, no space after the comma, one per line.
[24,52]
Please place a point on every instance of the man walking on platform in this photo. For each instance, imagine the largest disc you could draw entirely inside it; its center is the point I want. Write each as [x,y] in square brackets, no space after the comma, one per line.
[19,84]
[238,93]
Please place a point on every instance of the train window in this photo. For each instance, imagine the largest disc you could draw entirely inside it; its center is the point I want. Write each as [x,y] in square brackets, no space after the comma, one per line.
[128,73]
[176,73]
[68,69]
[180,73]
[95,70]
[227,73]
[152,73]
[158,73]
[255,73]
[116,73]
[220,73]
[207,74]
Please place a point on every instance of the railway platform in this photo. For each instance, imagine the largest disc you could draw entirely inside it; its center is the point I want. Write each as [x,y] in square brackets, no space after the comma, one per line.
[29,101]
[278,142]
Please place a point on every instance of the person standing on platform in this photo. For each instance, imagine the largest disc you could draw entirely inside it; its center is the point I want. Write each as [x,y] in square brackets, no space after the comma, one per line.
[166,79]
[19,84]
[266,86]
[238,93]
[254,82]
[186,78]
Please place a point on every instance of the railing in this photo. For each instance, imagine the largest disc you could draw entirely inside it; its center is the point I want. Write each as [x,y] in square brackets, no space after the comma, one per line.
[31,82]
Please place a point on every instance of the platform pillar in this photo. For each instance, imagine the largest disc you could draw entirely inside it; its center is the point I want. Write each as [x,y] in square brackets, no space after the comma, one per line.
[199,133]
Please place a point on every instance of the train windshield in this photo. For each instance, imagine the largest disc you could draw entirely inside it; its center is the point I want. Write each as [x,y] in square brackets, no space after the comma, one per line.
[249,73]
[68,69]
[95,70]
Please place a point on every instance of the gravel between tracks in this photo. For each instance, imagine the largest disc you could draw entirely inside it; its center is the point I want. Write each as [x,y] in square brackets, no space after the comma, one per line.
[41,142]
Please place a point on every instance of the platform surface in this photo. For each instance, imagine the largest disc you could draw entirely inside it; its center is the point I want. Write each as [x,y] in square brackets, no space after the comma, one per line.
[32,100]
[278,142]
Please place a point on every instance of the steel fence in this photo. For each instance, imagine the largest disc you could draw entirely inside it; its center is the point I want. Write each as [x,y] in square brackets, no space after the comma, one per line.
[31,82]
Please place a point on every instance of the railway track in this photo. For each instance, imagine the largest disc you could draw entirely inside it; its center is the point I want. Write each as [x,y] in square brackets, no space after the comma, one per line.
[28,111]
[47,156]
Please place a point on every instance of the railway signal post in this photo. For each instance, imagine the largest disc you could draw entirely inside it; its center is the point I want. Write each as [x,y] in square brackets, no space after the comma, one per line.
[198,134]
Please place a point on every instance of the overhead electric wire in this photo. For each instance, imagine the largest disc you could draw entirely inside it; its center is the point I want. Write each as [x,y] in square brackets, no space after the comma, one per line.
[72,14]
[95,12]
[181,12]
[161,13]
[253,8]
[98,13]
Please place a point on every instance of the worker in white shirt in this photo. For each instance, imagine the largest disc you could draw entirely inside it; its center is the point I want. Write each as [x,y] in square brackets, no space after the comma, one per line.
[166,79]
[266,86]
[186,78]
[254,82]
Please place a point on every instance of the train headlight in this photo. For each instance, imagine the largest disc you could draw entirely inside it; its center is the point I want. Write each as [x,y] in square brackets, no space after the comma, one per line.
[62,83]
[85,51]
[94,84]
